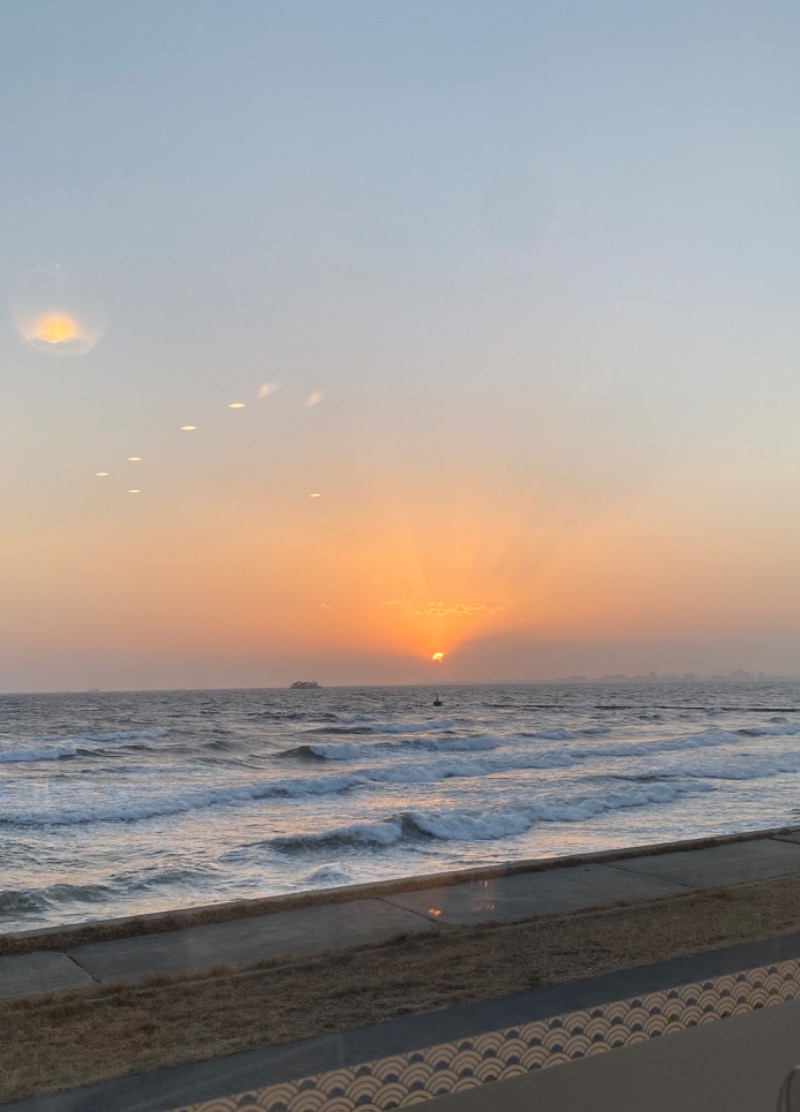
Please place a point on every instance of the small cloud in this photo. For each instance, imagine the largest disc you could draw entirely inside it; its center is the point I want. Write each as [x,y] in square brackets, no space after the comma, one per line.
[101,474]
[315,398]
[461,610]
[235,405]
[134,492]
[268,388]
[188,428]
[134,459]
[325,606]
[393,602]
[315,495]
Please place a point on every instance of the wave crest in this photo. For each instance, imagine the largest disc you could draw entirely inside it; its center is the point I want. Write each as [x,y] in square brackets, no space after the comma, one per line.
[492,824]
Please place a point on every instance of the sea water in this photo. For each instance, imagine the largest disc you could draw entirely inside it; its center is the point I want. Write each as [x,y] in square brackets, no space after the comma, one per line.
[124,803]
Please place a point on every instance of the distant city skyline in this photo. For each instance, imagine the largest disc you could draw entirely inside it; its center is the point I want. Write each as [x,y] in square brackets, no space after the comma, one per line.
[738,676]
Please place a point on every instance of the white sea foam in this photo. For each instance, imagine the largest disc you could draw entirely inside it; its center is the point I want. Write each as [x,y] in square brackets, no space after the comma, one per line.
[325,876]
[467,826]
[381,789]
[455,744]
[13,901]
[350,751]
[497,823]
[132,810]
[55,748]
[414,727]
[11,756]
[120,735]
[489,824]
[704,740]
[469,767]
[127,809]
[359,833]
[787,729]
[344,751]
[747,766]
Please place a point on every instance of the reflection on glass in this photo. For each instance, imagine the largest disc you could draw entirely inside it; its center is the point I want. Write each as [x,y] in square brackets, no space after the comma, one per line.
[55,313]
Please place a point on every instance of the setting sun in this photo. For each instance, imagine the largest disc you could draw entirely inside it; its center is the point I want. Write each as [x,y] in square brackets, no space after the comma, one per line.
[438,657]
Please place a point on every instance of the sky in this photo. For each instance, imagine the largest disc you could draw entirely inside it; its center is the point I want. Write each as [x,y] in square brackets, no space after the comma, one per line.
[507,294]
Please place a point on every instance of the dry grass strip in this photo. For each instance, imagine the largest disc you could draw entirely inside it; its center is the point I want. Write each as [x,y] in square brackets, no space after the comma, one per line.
[74,1038]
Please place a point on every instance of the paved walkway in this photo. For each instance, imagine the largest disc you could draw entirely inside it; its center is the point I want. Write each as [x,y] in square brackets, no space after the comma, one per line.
[731,1065]
[544,888]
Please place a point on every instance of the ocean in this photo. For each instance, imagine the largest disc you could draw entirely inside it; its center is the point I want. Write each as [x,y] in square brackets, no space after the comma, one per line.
[118,804]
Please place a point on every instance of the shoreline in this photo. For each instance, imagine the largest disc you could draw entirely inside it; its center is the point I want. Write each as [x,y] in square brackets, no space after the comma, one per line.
[99,930]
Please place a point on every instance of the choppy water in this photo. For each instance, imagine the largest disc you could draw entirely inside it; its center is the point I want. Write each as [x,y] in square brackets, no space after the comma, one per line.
[118,804]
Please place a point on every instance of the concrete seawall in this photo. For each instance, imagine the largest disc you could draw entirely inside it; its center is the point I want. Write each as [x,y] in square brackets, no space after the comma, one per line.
[603,1032]
[238,909]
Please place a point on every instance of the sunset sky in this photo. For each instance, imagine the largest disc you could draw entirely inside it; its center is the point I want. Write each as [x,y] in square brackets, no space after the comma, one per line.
[510,291]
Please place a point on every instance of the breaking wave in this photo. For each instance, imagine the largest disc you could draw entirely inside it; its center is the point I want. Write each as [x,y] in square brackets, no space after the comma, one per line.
[175,805]
[667,745]
[460,824]
[787,729]
[11,756]
[340,752]
[309,787]
[358,834]
[350,751]
[59,748]
[326,876]
[32,900]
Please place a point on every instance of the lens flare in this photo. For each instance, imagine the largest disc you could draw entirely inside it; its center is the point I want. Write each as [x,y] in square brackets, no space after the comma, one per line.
[55,312]
[56,330]
[188,428]
[235,405]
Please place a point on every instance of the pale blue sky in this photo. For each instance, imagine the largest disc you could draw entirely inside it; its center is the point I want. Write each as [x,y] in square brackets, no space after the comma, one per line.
[556,244]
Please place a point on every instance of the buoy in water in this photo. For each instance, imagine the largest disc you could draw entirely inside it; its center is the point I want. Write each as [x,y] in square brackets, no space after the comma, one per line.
[437,702]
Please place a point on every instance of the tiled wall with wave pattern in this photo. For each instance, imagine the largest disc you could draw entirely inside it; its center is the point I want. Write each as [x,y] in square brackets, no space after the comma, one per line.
[412,1078]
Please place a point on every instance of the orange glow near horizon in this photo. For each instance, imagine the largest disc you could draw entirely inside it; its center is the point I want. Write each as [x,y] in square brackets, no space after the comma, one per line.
[410,578]
[390,596]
